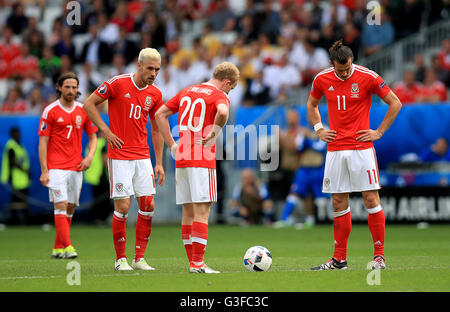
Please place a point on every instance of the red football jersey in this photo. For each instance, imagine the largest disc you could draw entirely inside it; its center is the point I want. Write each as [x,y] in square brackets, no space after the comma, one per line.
[197,107]
[65,129]
[128,111]
[349,103]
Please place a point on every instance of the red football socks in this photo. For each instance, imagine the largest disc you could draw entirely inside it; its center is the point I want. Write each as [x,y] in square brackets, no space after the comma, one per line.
[119,229]
[143,231]
[342,228]
[62,229]
[199,239]
[376,222]
[186,236]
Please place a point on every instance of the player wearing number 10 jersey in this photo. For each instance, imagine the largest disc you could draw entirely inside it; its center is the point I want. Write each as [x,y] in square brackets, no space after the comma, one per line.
[202,112]
[351,164]
[132,101]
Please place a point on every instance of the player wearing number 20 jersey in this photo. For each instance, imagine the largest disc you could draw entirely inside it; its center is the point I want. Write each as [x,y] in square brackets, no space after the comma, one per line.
[202,113]
[197,107]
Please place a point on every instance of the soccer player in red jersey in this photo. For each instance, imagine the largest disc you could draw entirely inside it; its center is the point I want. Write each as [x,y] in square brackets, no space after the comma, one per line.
[351,164]
[132,99]
[202,113]
[60,154]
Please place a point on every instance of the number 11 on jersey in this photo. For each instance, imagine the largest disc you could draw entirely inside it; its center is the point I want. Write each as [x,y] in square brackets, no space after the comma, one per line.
[339,102]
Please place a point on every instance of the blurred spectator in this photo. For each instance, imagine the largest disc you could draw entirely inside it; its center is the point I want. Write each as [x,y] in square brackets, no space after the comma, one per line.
[36,42]
[16,174]
[166,83]
[433,90]
[438,151]
[314,60]
[18,21]
[36,102]
[122,18]
[14,103]
[441,73]
[280,181]
[9,50]
[444,54]
[50,64]
[95,51]
[251,200]
[118,66]
[246,28]
[408,17]
[327,37]
[269,21]
[219,14]
[351,38]
[47,90]
[64,44]
[281,77]
[376,37]
[96,7]
[154,29]
[258,93]
[25,65]
[172,19]
[107,31]
[191,9]
[409,89]
[90,79]
[334,13]
[210,40]
[420,67]
[312,15]
[287,24]
[126,47]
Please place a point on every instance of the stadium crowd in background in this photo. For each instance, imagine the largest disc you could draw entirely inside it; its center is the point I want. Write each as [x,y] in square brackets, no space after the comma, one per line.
[287,39]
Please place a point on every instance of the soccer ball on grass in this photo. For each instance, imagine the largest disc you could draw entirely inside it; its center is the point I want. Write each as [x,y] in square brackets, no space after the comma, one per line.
[257,258]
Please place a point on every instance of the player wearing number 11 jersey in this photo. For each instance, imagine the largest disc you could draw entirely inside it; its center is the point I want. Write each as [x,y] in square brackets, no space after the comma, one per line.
[202,112]
[132,102]
[351,164]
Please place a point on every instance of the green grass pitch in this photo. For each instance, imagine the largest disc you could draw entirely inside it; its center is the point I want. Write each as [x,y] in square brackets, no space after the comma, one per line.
[417,260]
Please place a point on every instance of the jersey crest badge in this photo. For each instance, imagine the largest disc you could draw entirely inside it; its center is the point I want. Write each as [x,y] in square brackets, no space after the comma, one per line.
[148,103]
[78,121]
[355,87]
[119,187]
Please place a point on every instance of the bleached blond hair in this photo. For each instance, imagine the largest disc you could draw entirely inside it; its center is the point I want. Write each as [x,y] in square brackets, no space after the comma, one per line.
[149,53]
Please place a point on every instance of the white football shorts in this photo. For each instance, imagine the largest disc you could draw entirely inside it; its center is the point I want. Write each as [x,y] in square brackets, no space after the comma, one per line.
[351,171]
[65,185]
[195,185]
[131,177]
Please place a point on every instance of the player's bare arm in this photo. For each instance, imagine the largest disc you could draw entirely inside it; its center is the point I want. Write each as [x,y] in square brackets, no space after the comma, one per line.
[43,143]
[162,121]
[158,144]
[220,121]
[314,117]
[394,108]
[90,107]
[92,146]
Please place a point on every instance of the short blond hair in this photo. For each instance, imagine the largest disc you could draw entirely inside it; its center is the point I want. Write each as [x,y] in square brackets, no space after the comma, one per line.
[226,70]
[149,53]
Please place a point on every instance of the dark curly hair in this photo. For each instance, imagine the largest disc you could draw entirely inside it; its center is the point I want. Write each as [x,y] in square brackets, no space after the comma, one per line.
[62,78]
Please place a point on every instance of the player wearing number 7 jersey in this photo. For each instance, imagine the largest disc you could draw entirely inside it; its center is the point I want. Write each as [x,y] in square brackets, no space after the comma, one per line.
[60,132]
[132,101]
[202,112]
[351,164]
